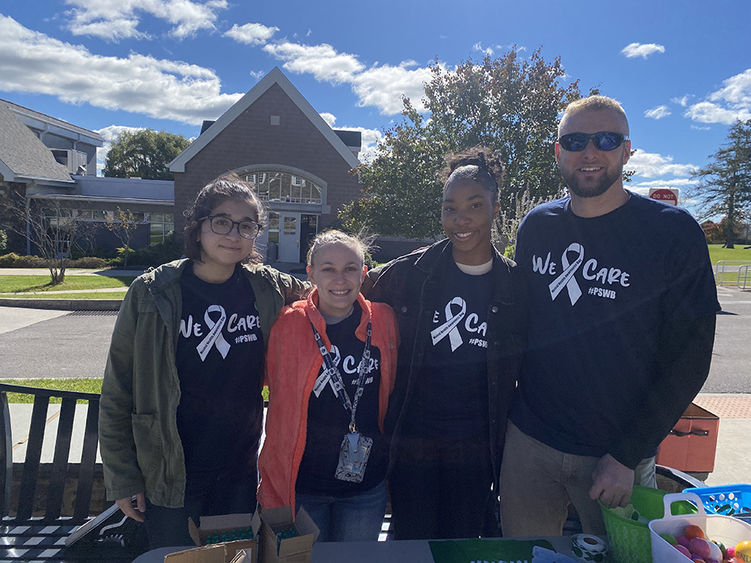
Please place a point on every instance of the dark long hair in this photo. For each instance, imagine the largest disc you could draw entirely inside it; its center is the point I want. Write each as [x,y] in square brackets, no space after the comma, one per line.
[225,187]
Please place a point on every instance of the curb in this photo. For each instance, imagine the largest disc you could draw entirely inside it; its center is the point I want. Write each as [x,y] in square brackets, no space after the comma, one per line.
[63,304]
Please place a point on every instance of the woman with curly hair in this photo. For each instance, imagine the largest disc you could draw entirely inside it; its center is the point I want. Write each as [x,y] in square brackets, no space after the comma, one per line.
[460,314]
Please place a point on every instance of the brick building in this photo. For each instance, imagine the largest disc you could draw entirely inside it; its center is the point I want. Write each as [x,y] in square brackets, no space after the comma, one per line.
[301,167]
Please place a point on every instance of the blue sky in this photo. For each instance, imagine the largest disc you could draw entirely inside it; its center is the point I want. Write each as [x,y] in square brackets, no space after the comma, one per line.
[682,70]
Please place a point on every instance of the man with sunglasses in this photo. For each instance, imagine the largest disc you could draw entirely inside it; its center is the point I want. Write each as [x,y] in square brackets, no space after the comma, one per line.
[622,318]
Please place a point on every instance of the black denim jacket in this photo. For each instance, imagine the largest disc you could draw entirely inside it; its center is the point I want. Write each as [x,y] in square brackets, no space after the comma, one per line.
[410,285]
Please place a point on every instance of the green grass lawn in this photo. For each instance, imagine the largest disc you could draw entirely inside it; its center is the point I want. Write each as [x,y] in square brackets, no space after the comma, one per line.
[80,384]
[109,294]
[16,284]
[716,253]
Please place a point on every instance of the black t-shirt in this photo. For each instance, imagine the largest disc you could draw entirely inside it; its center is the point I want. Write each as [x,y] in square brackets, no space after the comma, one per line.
[220,365]
[328,421]
[601,288]
[452,392]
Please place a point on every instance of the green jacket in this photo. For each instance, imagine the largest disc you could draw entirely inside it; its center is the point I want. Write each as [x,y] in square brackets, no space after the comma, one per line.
[140,445]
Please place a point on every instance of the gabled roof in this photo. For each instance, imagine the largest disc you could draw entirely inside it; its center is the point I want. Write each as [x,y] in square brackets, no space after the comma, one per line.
[276,76]
[23,157]
[36,119]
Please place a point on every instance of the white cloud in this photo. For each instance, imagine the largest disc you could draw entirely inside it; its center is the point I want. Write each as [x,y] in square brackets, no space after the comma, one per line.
[657,113]
[682,101]
[110,134]
[672,183]
[34,62]
[709,112]
[729,103]
[654,165]
[257,74]
[381,86]
[329,118]
[251,33]
[322,61]
[117,19]
[642,50]
[370,140]
[484,50]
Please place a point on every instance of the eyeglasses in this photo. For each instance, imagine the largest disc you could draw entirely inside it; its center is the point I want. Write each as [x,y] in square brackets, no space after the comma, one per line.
[603,140]
[222,225]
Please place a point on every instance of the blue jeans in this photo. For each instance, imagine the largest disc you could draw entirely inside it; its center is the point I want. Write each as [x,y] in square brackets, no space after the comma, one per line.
[354,518]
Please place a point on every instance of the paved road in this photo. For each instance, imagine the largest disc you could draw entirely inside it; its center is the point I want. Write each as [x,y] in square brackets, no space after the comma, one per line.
[56,344]
[36,343]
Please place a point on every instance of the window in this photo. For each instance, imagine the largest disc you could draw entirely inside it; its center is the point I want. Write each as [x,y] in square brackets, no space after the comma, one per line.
[160,225]
[282,186]
[273,228]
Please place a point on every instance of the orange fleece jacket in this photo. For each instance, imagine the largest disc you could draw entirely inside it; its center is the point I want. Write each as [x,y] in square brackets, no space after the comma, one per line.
[292,366]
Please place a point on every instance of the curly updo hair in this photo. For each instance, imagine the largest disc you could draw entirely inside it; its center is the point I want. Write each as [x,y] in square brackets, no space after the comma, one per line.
[478,164]
[226,187]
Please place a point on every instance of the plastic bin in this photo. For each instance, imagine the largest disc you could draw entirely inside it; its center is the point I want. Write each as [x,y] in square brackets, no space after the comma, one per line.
[628,539]
[730,500]
[725,529]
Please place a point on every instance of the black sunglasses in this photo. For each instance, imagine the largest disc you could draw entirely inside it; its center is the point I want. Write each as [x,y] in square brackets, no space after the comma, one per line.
[604,140]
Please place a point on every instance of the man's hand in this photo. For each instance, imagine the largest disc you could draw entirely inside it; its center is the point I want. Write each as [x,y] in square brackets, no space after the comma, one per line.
[612,482]
[133,507]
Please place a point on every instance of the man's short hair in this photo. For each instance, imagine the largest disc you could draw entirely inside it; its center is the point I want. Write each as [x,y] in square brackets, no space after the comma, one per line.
[593,103]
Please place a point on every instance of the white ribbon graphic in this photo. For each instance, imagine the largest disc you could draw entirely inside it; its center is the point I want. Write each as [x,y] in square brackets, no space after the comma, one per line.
[214,337]
[567,279]
[449,327]
[325,378]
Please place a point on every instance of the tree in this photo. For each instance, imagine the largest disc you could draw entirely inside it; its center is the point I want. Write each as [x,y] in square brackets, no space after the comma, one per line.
[508,104]
[725,183]
[144,154]
[122,223]
[51,229]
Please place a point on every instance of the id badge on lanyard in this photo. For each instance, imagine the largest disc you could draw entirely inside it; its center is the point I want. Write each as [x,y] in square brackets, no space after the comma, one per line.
[355,449]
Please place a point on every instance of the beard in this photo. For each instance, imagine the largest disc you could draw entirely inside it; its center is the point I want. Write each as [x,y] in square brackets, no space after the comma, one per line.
[592,190]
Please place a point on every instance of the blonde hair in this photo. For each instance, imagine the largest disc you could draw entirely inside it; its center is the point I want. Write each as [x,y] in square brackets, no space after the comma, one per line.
[359,242]
[593,103]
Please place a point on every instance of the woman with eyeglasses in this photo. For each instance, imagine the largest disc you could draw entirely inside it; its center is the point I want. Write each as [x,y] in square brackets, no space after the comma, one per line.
[181,407]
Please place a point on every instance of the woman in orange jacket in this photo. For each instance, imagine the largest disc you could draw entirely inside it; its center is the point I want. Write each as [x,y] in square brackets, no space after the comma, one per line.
[330,369]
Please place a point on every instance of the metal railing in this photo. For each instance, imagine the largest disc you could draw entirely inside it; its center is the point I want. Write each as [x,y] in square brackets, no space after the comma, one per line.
[743,277]
[724,270]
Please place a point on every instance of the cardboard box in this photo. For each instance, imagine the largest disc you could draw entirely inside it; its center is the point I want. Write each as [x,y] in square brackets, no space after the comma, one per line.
[297,549]
[692,443]
[216,553]
[223,552]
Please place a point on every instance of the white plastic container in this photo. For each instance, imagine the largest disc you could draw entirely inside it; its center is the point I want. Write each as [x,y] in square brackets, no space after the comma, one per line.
[726,529]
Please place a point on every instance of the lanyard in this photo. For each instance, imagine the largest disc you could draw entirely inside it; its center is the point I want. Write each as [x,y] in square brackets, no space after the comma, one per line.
[336,377]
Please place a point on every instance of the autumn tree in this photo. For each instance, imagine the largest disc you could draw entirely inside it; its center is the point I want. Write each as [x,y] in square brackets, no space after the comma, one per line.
[724,186]
[509,104]
[144,154]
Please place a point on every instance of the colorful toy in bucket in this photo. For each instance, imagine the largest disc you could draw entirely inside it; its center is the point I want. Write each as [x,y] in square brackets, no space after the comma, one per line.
[697,534]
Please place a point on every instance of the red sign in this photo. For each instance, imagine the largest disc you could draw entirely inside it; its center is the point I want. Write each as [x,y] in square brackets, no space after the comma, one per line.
[665,195]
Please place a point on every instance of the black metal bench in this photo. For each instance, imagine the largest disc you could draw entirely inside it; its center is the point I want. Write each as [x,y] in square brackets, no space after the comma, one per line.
[35,508]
